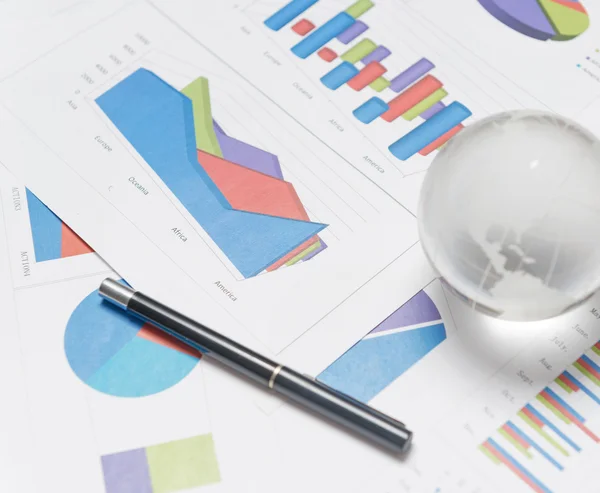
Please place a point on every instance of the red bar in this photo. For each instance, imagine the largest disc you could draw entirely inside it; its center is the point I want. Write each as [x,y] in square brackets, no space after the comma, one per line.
[411,96]
[327,54]
[569,416]
[303,27]
[588,368]
[597,345]
[507,463]
[517,437]
[568,383]
[367,75]
[532,417]
[440,141]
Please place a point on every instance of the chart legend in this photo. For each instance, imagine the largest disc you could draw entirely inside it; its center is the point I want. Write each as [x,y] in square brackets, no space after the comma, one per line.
[362,67]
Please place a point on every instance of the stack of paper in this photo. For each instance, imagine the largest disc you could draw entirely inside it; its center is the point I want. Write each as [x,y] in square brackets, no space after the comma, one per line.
[257,166]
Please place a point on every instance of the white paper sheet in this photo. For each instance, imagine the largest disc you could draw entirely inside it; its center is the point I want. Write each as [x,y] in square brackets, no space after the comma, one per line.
[123,206]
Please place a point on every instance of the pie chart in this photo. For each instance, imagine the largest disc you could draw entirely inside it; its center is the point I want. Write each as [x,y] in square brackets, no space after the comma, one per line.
[558,20]
[119,355]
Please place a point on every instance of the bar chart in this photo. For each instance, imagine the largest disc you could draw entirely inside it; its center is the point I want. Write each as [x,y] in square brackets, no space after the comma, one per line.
[361,67]
[554,429]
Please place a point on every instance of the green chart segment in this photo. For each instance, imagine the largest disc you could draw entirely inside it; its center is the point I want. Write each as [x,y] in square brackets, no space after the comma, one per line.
[181,465]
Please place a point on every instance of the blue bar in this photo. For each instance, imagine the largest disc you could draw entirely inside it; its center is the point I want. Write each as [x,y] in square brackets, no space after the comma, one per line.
[429,130]
[564,404]
[548,457]
[583,388]
[550,425]
[510,459]
[590,362]
[339,75]
[287,14]
[323,35]
[367,112]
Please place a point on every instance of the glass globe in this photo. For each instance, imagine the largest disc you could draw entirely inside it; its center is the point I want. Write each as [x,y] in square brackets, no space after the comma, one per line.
[509,214]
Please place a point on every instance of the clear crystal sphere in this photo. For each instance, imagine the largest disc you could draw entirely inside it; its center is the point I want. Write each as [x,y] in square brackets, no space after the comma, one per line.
[509,214]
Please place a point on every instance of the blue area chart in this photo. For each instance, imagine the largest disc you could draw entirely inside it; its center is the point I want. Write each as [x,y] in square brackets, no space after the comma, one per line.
[390,349]
[158,122]
[118,355]
[46,230]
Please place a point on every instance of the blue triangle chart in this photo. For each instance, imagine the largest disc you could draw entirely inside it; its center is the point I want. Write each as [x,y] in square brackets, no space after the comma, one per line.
[380,358]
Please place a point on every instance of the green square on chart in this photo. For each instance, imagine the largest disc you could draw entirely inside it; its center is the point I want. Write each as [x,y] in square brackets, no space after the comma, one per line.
[183,464]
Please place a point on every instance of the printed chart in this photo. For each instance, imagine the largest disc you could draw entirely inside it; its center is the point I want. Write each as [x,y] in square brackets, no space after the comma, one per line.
[550,431]
[118,355]
[236,192]
[219,188]
[164,468]
[557,20]
[52,239]
[534,425]
[563,61]
[419,94]
[390,349]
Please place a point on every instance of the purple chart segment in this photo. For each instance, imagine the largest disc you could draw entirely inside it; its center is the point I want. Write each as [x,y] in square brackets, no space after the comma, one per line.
[377,55]
[126,472]
[524,16]
[411,75]
[419,309]
[436,108]
[250,157]
[352,32]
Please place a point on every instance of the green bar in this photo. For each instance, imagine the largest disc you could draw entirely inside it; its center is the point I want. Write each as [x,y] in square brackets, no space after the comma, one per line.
[587,373]
[596,350]
[379,84]
[564,386]
[206,139]
[545,435]
[183,464]
[425,104]
[490,456]
[558,414]
[516,444]
[303,253]
[359,51]
[359,8]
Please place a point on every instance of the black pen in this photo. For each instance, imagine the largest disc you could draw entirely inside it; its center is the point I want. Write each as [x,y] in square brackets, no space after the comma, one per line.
[336,406]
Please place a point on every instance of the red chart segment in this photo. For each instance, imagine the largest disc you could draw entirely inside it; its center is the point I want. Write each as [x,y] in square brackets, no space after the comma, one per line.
[71,244]
[252,191]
